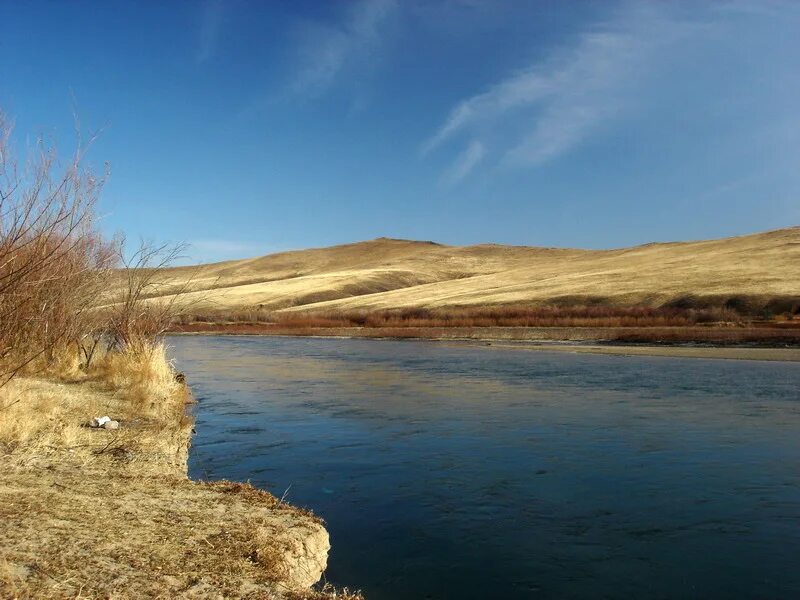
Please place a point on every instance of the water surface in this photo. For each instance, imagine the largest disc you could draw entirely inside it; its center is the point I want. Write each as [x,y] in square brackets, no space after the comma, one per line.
[448,471]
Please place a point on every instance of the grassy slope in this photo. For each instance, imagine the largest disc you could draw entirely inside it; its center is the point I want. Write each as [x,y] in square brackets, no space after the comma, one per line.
[385,273]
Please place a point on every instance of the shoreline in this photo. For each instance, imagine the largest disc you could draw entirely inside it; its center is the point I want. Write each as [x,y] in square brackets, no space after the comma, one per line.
[586,341]
[120,502]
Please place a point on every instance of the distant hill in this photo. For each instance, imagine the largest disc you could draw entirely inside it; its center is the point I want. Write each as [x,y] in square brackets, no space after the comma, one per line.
[760,269]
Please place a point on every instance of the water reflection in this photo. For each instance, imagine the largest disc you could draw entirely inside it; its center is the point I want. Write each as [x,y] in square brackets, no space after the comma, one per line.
[448,471]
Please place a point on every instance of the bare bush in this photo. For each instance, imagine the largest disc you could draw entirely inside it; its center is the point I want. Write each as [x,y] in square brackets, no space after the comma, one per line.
[146,301]
[52,260]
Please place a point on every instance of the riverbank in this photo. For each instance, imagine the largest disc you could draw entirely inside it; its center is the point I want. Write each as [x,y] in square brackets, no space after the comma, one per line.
[95,512]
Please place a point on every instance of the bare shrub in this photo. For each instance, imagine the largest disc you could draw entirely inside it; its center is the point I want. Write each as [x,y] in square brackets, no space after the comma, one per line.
[63,299]
[144,304]
[52,260]
[508,316]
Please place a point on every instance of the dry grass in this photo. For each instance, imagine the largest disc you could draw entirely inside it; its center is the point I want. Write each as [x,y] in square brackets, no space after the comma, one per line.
[33,420]
[145,376]
[326,593]
[137,388]
[73,532]
[41,417]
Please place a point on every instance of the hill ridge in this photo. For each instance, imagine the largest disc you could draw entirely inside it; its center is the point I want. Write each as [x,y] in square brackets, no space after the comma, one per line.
[387,273]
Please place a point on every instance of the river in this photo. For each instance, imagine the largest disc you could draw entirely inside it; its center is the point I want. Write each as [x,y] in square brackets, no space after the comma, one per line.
[465,471]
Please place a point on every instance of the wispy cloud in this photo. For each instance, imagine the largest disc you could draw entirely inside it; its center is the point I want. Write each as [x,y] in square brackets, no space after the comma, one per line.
[326,50]
[549,107]
[208,30]
[464,163]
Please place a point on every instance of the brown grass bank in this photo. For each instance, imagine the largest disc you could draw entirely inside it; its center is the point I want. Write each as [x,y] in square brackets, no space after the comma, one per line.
[97,513]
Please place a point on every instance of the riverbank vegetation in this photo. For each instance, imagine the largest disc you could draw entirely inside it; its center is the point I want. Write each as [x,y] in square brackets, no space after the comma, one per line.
[671,324]
[488,316]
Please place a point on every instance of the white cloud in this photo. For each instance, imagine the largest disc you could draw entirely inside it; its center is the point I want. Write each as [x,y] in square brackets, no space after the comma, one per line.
[552,105]
[326,50]
[464,163]
[516,91]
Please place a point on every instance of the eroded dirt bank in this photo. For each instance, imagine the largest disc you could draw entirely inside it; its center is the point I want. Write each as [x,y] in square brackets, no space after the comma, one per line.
[111,513]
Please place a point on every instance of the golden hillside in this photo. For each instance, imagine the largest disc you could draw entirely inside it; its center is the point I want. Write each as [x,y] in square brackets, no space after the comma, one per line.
[388,273]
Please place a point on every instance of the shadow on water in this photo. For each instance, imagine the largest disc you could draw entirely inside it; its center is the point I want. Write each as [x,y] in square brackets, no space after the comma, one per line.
[446,471]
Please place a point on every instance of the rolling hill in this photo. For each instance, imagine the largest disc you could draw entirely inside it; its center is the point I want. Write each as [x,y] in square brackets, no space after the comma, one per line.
[384,273]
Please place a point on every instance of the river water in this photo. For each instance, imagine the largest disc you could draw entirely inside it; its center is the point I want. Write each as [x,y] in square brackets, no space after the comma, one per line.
[455,471]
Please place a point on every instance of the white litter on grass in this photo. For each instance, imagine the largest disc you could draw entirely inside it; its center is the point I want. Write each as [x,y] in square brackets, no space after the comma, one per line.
[100,421]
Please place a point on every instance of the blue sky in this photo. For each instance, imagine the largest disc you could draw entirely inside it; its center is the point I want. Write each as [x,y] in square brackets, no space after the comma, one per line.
[250,127]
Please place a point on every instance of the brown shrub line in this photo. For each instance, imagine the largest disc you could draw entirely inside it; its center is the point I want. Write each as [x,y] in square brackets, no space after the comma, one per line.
[492,316]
